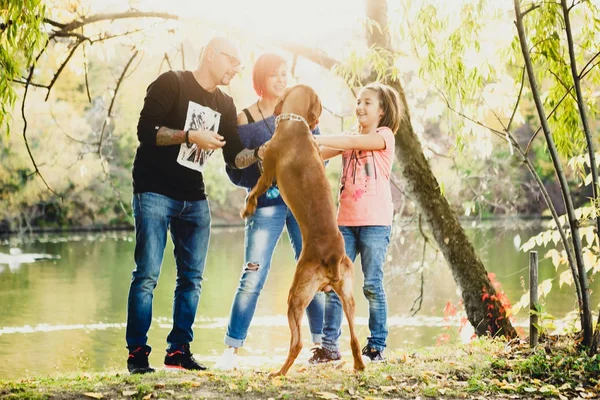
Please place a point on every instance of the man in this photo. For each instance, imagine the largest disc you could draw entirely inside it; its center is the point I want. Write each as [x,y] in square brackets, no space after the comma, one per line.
[169,193]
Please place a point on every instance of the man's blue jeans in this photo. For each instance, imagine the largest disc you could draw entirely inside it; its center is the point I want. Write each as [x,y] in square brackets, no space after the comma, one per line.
[263,230]
[371,242]
[189,222]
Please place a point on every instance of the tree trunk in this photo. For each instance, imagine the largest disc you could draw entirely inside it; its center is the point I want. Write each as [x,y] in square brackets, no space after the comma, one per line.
[482,305]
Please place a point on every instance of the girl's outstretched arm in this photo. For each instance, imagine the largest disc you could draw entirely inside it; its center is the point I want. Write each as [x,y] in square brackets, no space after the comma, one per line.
[370,141]
[329,152]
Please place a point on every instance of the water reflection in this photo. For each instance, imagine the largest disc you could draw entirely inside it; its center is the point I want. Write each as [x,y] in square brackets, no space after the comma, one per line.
[72,309]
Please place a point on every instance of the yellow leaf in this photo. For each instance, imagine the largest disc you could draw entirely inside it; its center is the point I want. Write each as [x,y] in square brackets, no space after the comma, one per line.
[94,395]
[589,259]
[555,255]
[233,386]
[566,277]
[327,395]
[545,287]
[147,397]
[277,381]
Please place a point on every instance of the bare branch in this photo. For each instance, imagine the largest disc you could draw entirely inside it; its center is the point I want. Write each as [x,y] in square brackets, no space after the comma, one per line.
[182,56]
[104,163]
[31,69]
[54,23]
[165,58]
[583,74]
[85,71]
[512,117]
[74,25]
[60,69]
[558,78]
[64,132]
[112,102]
[583,70]
[29,83]
[311,54]
[530,9]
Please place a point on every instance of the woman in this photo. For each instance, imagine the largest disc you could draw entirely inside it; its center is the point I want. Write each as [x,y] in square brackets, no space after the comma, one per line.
[256,125]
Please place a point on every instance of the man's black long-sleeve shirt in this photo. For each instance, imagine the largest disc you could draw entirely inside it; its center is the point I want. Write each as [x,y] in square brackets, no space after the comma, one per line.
[156,168]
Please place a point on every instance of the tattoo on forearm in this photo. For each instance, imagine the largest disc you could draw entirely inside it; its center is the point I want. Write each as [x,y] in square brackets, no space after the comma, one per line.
[245,158]
[167,136]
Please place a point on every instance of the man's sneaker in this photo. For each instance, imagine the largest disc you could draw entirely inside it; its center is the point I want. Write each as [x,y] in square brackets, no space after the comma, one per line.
[323,355]
[137,362]
[183,359]
[372,355]
[227,361]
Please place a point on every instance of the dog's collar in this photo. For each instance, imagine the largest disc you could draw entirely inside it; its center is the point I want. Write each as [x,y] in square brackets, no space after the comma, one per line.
[291,117]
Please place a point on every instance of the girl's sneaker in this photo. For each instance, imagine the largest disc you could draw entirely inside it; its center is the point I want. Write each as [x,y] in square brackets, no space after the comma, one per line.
[372,355]
[227,361]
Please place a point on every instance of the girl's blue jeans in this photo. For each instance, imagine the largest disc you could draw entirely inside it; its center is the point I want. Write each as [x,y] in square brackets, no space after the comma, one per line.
[371,242]
[262,232]
[189,223]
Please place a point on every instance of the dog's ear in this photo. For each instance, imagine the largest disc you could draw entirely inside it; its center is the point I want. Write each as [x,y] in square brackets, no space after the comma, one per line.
[279,104]
[315,111]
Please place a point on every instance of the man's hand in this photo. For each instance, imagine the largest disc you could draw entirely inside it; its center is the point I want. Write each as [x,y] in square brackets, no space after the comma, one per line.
[206,140]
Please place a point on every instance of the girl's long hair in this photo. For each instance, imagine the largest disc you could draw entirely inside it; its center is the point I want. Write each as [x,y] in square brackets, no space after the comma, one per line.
[389,101]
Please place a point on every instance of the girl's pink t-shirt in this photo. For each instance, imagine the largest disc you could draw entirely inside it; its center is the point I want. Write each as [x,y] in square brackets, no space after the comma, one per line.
[365,191]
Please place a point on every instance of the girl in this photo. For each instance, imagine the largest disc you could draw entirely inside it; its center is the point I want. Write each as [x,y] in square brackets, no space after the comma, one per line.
[256,125]
[365,212]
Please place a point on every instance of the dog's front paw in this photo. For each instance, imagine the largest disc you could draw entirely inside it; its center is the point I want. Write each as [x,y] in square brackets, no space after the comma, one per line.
[249,209]
[275,374]
[359,366]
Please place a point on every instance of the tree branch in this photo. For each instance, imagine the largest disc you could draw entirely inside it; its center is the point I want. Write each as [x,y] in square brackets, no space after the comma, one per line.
[114,16]
[36,171]
[583,74]
[112,102]
[586,318]
[582,112]
[62,66]
[518,100]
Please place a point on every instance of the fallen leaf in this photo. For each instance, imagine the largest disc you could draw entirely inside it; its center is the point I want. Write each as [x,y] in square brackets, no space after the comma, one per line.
[94,395]
[159,385]
[147,397]
[530,389]
[233,386]
[129,392]
[327,395]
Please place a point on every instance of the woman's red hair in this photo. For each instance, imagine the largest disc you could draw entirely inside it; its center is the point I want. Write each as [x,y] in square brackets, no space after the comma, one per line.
[263,67]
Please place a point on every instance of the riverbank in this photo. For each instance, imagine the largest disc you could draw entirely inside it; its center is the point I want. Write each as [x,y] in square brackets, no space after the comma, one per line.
[481,369]
[234,222]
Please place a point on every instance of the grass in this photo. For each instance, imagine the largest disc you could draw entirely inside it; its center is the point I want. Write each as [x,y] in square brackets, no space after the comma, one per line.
[484,368]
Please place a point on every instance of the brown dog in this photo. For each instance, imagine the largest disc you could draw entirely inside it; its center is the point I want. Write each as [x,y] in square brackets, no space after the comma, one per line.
[293,158]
